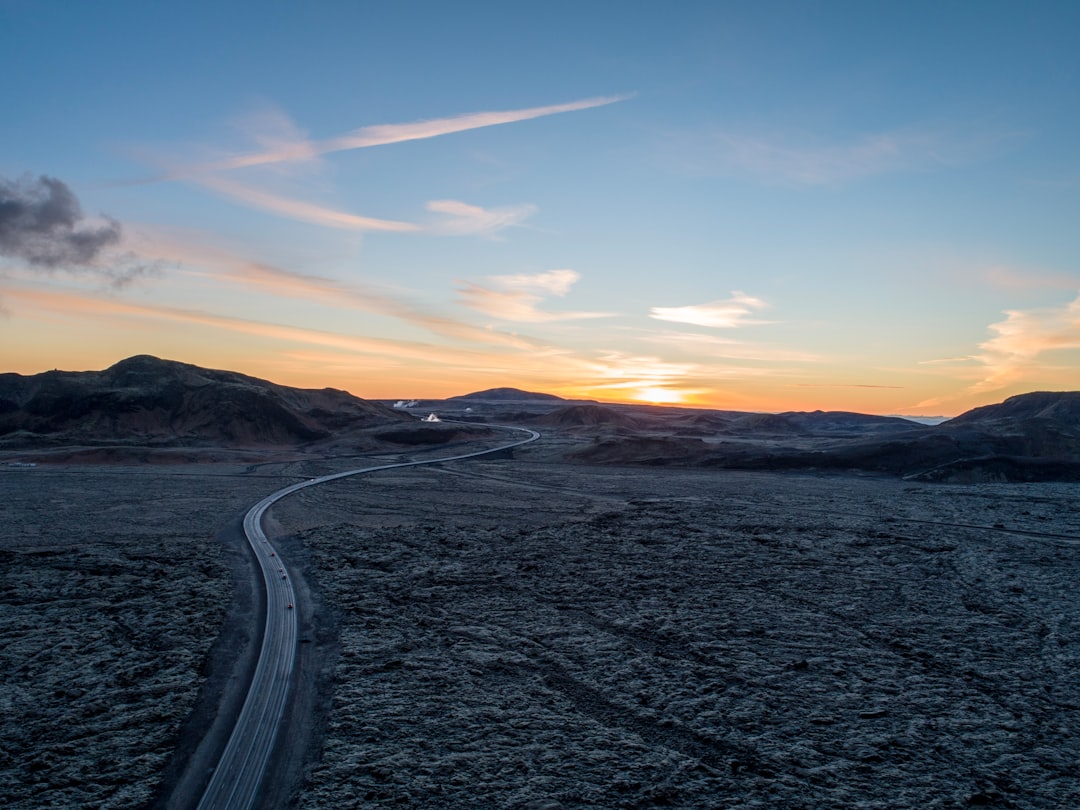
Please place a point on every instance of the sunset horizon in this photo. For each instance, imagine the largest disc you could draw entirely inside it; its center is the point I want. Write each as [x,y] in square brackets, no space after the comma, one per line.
[660,397]
[559,405]
[740,207]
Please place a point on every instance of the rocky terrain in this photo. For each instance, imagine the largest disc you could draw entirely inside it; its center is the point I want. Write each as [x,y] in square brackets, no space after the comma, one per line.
[521,635]
[614,616]
[113,589]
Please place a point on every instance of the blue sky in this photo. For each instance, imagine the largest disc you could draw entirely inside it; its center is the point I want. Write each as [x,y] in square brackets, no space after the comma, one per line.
[763,206]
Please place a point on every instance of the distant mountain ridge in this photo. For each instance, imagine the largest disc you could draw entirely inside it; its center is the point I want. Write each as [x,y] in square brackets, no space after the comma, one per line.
[507,395]
[820,423]
[1029,437]
[147,402]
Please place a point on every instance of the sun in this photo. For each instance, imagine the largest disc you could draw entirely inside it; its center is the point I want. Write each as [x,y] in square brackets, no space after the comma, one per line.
[659,396]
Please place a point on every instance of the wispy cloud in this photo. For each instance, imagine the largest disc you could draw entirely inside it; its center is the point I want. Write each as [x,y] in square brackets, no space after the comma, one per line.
[419,362]
[1011,278]
[461,219]
[813,160]
[825,164]
[625,370]
[550,282]
[1022,341]
[284,144]
[717,347]
[729,314]
[298,209]
[371,299]
[846,385]
[644,376]
[516,298]
[221,264]
[274,131]
[655,379]
[1019,355]
[85,305]
[294,149]
[949,361]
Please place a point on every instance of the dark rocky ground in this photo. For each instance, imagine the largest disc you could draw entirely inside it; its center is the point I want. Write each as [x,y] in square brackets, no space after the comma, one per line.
[112,591]
[528,634]
[522,635]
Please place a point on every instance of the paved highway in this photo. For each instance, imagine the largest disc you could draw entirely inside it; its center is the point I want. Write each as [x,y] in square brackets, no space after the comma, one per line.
[236,781]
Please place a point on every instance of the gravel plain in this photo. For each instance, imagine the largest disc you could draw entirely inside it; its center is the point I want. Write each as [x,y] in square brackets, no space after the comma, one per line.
[528,634]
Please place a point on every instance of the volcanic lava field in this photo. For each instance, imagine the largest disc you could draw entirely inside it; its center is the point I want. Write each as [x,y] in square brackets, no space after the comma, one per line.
[523,633]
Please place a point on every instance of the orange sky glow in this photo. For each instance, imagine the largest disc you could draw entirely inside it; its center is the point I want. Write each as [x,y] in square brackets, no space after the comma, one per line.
[865,208]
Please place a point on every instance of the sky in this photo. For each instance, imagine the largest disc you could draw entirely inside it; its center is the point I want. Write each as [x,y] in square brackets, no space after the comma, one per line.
[762,206]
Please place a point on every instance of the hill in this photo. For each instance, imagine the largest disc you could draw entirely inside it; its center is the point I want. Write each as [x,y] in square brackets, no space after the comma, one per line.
[1062,407]
[171,407]
[590,416]
[152,402]
[1032,437]
[507,395]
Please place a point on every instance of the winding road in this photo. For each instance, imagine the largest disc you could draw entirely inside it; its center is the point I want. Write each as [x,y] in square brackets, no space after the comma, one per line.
[238,777]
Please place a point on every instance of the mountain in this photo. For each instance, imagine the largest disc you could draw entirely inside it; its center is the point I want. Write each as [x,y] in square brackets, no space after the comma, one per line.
[148,401]
[1062,407]
[506,395]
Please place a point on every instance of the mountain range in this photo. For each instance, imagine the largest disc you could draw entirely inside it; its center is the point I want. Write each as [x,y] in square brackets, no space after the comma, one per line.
[147,402]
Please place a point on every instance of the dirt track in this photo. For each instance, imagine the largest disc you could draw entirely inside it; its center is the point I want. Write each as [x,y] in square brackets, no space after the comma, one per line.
[523,634]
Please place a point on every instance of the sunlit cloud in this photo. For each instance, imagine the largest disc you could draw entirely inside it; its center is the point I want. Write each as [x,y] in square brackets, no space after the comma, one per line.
[714,346]
[1020,345]
[293,149]
[220,264]
[275,132]
[462,219]
[846,385]
[949,361]
[541,365]
[551,282]
[367,298]
[649,378]
[641,377]
[622,366]
[729,314]
[1018,355]
[283,143]
[298,209]
[89,306]
[516,298]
